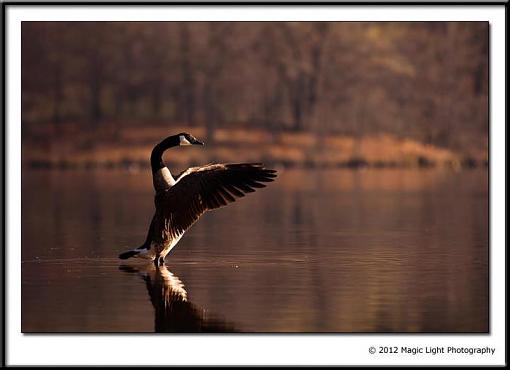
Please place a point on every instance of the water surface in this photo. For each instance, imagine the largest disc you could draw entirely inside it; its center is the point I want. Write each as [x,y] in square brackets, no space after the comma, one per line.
[386,250]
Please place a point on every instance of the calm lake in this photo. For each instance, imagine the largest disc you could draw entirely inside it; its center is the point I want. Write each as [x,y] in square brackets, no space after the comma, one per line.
[379,250]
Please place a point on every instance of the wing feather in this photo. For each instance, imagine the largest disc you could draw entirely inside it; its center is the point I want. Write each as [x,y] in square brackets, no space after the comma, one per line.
[200,189]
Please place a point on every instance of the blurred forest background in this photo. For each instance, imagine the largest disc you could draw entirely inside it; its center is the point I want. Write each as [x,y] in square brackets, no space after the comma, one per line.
[317,94]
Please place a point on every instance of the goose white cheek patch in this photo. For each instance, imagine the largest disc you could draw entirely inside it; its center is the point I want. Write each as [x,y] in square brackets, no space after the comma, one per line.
[183,140]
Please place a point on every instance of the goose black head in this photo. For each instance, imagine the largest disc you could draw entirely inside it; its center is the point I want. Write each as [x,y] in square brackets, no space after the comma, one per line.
[172,141]
[187,139]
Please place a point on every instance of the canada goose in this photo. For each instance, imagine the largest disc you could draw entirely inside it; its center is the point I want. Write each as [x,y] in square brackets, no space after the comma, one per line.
[181,201]
[173,312]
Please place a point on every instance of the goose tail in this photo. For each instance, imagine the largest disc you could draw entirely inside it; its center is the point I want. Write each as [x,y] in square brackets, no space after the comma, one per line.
[128,254]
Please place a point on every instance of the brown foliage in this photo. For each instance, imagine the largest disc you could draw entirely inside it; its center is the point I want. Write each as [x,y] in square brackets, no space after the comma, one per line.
[424,81]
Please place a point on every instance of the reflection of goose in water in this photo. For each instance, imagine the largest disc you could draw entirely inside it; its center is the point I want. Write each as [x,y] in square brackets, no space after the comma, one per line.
[181,201]
[172,310]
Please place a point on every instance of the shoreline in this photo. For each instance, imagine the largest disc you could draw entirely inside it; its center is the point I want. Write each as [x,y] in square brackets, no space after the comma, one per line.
[354,164]
[132,149]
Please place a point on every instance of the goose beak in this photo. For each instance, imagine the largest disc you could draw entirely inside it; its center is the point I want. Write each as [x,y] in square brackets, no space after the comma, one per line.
[197,142]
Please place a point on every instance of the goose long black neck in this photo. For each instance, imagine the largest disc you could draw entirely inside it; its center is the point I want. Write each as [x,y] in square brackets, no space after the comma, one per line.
[157,153]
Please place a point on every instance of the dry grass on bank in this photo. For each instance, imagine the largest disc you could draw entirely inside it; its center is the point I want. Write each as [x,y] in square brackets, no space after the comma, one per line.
[133,147]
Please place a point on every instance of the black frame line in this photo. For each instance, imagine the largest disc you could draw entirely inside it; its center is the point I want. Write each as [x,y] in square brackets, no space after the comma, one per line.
[405,3]
[263,3]
[309,333]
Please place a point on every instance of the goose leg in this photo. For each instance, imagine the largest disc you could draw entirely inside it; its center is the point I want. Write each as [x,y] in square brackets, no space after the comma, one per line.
[156,261]
[159,261]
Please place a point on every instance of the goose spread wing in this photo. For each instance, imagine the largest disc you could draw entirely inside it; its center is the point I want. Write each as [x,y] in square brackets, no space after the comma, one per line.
[204,188]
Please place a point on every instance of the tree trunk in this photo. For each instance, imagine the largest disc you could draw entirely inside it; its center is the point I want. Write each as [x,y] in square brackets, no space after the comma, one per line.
[57,98]
[95,91]
[186,101]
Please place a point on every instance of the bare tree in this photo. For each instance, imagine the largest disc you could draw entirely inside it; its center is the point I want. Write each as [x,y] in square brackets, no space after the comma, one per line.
[424,80]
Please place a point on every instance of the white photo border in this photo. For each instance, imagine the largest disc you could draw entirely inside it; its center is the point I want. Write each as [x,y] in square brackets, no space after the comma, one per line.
[254,349]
